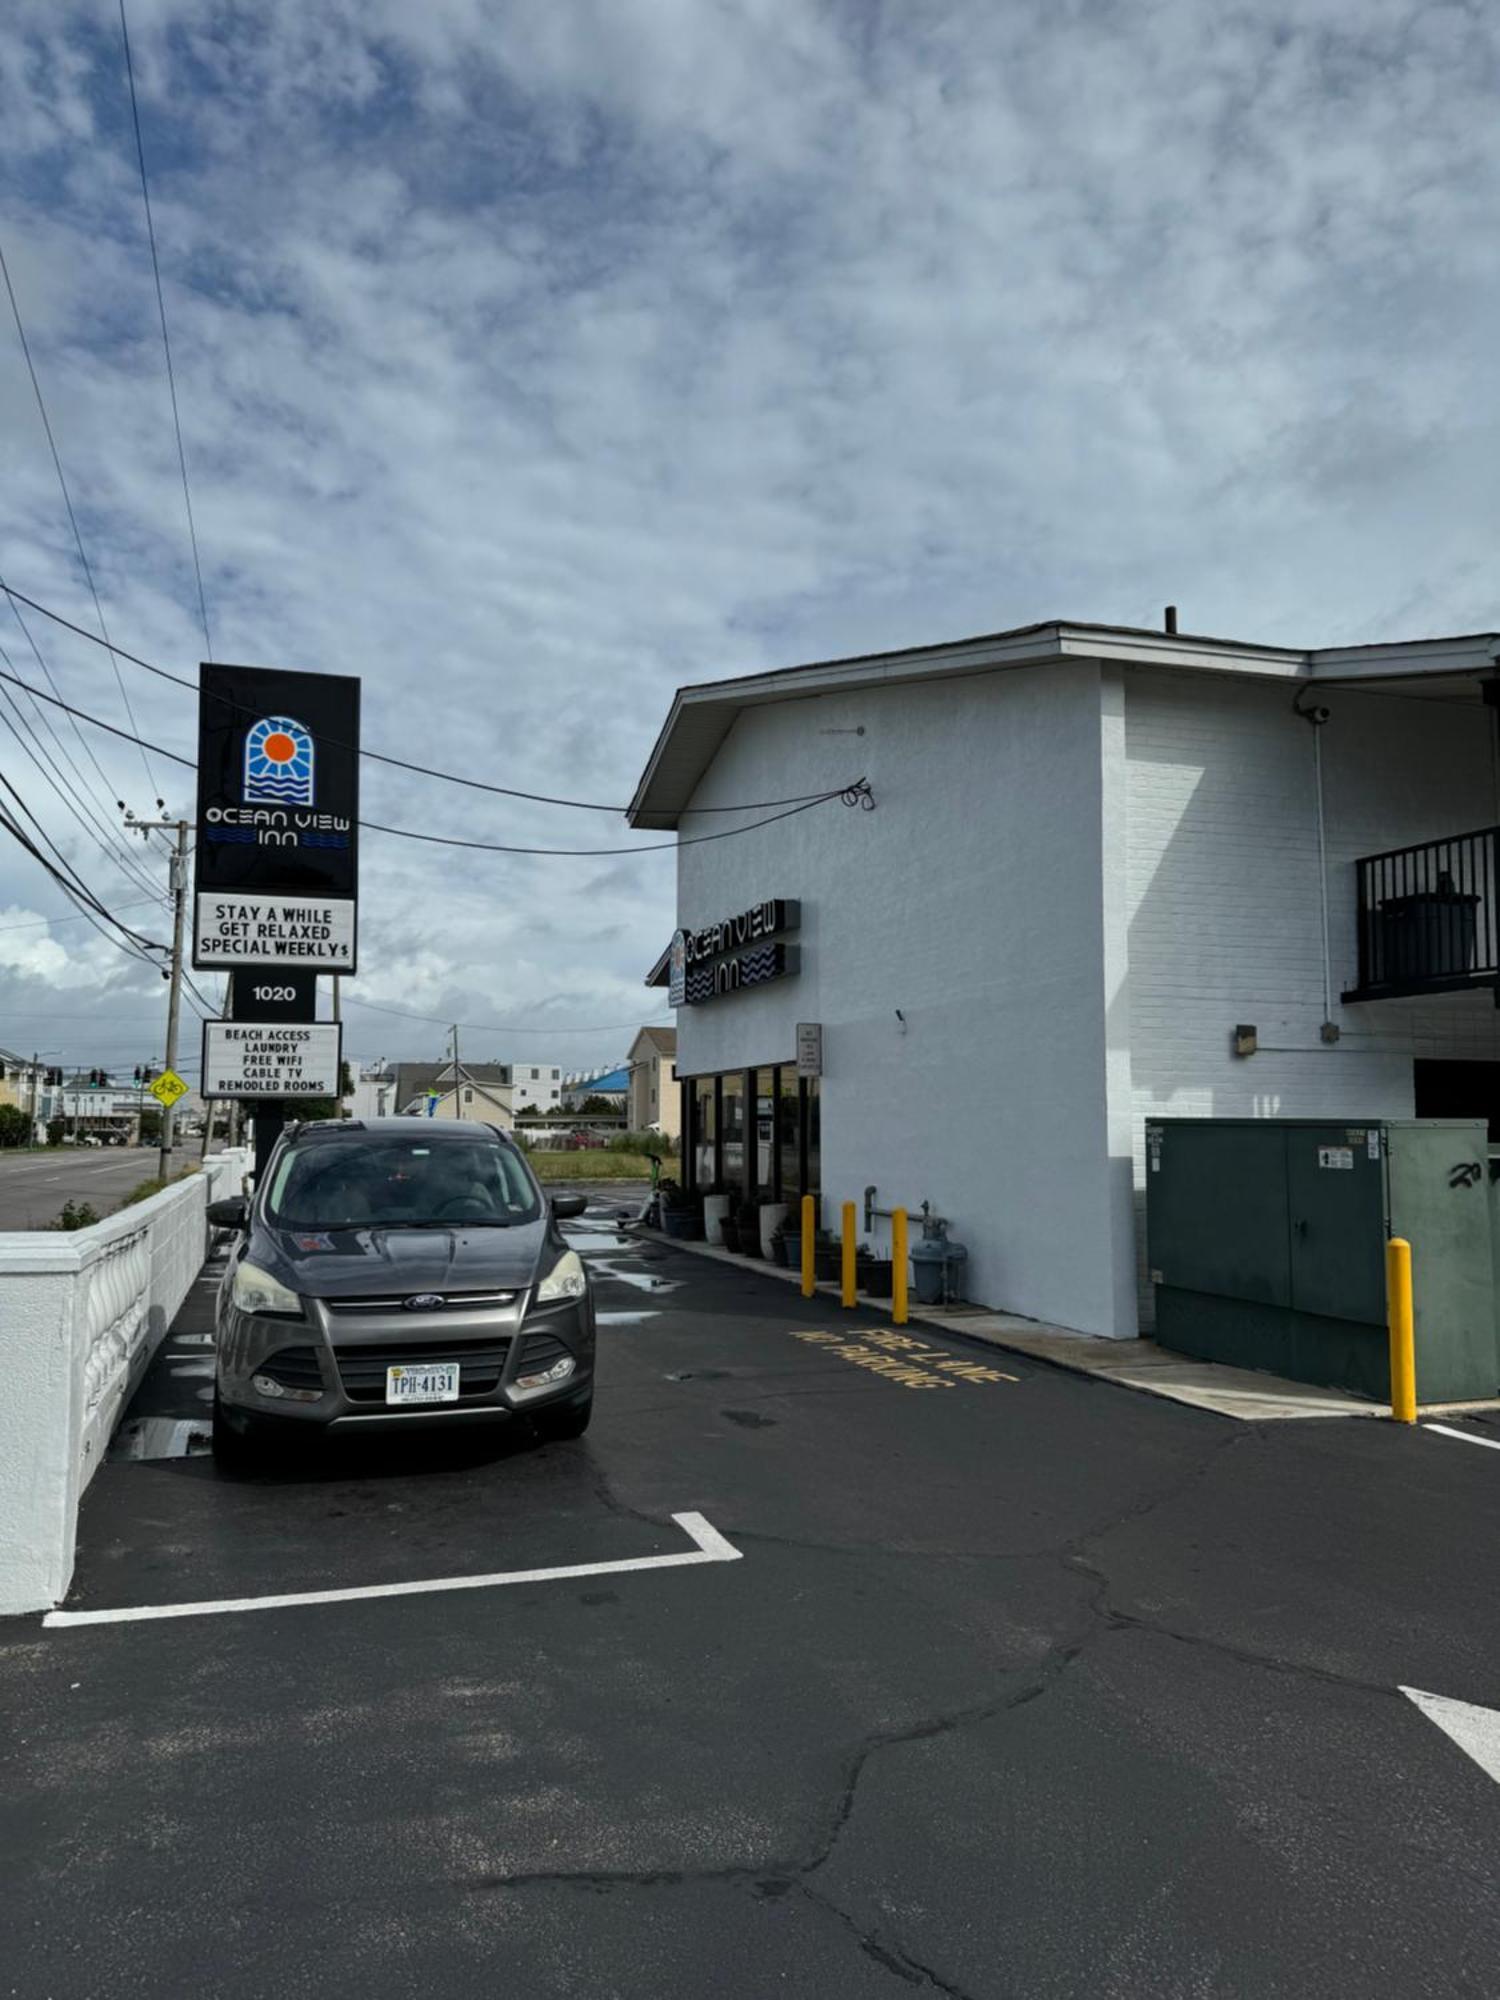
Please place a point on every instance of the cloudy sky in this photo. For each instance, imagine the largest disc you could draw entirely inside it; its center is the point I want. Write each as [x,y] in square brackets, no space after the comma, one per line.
[537,355]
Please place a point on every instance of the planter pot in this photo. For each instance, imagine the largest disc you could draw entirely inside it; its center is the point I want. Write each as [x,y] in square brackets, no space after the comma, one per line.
[785,1250]
[715,1208]
[829,1263]
[682,1223]
[772,1216]
[729,1232]
[875,1275]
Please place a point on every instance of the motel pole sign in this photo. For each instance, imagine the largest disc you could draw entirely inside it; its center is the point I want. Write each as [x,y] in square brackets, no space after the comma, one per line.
[277,878]
[278,821]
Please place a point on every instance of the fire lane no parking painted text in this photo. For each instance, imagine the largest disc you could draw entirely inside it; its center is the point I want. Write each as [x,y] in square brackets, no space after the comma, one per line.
[898,1358]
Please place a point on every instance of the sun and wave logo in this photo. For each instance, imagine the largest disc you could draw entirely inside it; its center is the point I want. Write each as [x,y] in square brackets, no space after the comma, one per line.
[278,763]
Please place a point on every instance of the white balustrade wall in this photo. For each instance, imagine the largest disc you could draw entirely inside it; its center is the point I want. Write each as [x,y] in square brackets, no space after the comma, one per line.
[81,1315]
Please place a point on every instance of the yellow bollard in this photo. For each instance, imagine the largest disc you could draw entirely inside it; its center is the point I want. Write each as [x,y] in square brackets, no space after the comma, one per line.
[1403,1330]
[809,1245]
[898,1266]
[847,1285]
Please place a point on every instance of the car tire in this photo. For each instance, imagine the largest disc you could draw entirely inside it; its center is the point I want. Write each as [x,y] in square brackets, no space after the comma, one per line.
[233,1448]
[558,1426]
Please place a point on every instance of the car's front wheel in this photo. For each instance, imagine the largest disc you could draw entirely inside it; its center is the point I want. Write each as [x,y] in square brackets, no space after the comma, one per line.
[233,1447]
[571,1421]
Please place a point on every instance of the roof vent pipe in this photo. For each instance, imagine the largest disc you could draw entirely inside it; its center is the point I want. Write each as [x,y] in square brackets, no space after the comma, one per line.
[1169,618]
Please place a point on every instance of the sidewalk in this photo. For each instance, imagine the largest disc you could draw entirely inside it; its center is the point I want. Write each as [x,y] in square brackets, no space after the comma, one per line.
[1242,1393]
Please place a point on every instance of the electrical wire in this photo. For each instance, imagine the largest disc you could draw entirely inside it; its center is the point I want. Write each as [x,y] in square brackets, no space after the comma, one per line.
[161,307]
[98,807]
[402,763]
[494,1027]
[77,887]
[857,793]
[52,776]
[46,923]
[68,503]
[120,943]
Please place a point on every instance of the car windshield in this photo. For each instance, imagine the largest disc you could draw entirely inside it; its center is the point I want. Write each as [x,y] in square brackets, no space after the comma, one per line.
[348,1183]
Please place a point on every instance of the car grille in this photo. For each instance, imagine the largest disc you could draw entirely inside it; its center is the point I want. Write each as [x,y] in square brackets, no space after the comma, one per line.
[293,1368]
[450,1302]
[362,1369]
[539,1351]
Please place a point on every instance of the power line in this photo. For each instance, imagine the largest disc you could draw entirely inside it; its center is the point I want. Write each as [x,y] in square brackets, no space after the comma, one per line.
[161,307]
[491,1027]
[68,503]
[98,806]
[70,872]
[856,794]
[402,763]
[49,775]
[123,943]
[46,923]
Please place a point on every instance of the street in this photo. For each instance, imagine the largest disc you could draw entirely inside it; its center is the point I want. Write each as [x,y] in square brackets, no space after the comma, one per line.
[1007,1683]
[35,1186]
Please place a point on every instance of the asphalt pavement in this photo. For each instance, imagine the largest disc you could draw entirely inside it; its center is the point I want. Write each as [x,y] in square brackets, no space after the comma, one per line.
[34,1187]
[965,1675]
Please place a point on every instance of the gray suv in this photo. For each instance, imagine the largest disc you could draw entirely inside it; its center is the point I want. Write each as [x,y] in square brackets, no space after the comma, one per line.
[395,1273]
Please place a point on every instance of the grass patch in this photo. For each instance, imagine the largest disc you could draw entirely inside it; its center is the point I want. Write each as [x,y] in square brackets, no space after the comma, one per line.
[593,1165]
[143,1190]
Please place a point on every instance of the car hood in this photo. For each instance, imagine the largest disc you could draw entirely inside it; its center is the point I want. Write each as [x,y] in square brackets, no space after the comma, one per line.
[348,1263]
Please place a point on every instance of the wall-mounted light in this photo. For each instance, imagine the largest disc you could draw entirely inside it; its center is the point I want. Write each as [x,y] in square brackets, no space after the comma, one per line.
[1245,1042]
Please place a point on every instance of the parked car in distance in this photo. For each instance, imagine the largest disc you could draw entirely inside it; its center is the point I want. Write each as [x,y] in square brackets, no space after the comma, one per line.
[392,1274]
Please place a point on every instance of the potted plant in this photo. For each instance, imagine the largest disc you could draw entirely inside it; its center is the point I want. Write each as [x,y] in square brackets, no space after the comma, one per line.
[873,1275]
[828,1257]
[729,1230]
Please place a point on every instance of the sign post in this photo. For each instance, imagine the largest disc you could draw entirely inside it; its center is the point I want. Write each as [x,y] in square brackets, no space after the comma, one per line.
[278,879]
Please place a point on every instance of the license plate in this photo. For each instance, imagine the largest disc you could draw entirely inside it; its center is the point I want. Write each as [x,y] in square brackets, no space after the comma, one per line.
[436,1382]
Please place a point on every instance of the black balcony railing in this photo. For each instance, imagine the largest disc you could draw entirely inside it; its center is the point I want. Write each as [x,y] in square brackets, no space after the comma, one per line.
[1428,917]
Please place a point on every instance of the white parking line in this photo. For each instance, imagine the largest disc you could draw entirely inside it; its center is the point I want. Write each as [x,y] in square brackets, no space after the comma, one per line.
[1463,1437]
[710,1547]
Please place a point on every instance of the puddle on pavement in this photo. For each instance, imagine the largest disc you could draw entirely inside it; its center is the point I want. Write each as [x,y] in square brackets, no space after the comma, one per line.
[642,1280]
[162,1437]
[624,1318]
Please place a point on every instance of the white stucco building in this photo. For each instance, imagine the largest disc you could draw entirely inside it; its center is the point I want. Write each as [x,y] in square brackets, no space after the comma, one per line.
[1100,862]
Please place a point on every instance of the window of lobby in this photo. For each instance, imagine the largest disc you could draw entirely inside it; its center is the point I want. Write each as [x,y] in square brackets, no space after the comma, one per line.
[755,1133]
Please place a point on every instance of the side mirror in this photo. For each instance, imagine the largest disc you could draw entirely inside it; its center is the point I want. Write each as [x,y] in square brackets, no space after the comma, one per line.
[565,1205]
[231,1214]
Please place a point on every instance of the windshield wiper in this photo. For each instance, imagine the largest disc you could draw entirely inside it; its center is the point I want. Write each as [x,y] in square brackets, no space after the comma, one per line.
[443,1222]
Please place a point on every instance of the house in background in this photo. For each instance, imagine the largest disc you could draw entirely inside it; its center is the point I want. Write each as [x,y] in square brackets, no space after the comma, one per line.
[655,1103]
[479,1091]
[535,1086]
[613,1086]
[22,1084]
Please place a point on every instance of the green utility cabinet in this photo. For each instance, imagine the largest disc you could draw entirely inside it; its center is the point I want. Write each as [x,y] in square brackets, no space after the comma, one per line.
[1266,1247]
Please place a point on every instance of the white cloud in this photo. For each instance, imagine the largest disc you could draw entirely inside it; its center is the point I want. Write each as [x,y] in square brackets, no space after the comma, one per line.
[533,359]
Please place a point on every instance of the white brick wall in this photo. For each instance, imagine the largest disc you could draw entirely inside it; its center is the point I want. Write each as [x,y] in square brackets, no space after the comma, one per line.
[1222,886]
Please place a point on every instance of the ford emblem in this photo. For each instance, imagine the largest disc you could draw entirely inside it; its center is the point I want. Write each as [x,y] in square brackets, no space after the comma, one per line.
[424,1302]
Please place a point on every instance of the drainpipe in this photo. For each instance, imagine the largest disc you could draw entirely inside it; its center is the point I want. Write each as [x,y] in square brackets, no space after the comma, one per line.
[1317,716]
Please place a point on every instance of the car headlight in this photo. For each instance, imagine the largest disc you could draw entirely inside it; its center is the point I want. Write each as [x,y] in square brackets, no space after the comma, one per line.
[256,1291]
[564,1281]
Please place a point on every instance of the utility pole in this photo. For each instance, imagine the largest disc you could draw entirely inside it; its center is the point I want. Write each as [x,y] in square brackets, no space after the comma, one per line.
[31,1136]
[174,1001]
[458,1108]
[178,884]
[339,1110]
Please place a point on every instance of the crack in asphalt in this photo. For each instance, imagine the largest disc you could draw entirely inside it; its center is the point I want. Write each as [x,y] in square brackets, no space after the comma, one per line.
[895,1958]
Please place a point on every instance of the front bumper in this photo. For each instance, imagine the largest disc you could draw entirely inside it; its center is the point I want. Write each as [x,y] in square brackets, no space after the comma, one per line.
[334,1360]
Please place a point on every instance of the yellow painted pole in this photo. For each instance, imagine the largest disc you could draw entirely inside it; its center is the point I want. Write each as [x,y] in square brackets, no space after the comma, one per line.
[1403,1330]
[898,1266]
[809,1245]
[847,1286]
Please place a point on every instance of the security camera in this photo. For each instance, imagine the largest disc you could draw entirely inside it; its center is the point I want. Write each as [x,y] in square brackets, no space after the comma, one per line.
[1319,714]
